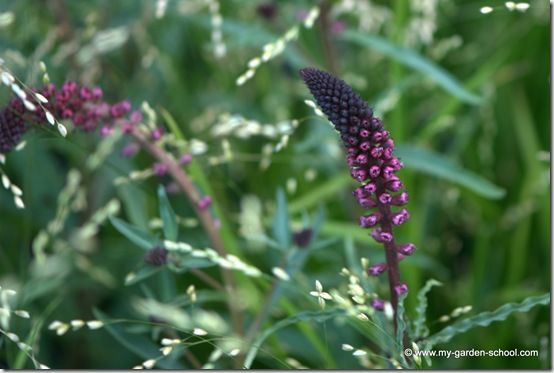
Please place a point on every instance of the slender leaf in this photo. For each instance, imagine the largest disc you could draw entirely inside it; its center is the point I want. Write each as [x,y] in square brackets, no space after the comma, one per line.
[412,59]
[142,274]
[135,234]
[281,228]
[421,329]
[137,344]
[437,165]
[486,318]
[171,229]
[400,328]
[318,316]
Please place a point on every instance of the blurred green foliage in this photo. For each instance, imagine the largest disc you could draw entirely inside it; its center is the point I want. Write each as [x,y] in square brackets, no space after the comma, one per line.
[469,109]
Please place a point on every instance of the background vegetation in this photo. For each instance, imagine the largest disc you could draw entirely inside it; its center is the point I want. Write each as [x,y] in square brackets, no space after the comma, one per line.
[464,94]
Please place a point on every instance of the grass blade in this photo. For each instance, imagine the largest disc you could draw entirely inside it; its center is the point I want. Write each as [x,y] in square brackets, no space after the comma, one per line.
[415,61]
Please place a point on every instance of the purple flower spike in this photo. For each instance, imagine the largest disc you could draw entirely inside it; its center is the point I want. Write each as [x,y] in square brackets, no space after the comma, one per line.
[378,304]
[401,289]
[204,202]
[377,269]
[371,159]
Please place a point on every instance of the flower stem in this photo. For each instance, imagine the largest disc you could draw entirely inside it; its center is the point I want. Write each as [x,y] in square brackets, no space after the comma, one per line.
[207,221]
[390,253]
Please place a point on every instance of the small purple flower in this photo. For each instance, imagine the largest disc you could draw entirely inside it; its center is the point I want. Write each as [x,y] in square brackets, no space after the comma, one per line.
[130,149]
[204,202]
[105,131]
[378,304]
[172,188]
[338,27]
[406,249]
[185,159]
[302,238]
[401,289]
[160,169]
[377,269]
[156,134]
[120,109]
[156,256]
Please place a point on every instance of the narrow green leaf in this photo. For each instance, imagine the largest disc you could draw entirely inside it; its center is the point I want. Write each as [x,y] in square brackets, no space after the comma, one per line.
[486,318]
[436,164]
[136,235]
[324,191]
[137,344]
[142,274]
[318,316]
[421,329]
[281,228]
[412,59]
[171,229]
[400,329]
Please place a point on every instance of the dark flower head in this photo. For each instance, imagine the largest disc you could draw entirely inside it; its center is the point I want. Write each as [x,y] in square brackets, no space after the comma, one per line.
[267,10]
[156,256]
[303,237]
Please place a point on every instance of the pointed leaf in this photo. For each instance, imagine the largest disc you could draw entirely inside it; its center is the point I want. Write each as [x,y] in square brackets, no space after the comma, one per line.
[438,165]
[486,318]
[135,234]
[171,230]
[414,60]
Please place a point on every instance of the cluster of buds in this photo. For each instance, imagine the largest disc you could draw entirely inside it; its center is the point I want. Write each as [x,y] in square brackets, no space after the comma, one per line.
[81,105]
[370,157]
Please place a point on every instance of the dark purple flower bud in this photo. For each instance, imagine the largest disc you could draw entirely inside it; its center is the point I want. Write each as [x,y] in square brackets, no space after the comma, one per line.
[378,304]
[361,159]
[367,202]
[267,10]
[160,169]
[130,149]
[385,198]
[377,136]
[365,146]
[302,238]
[105,131]
[185,159]
[374,171]
[120,109]
[377,269]
[380,236]
[376,152]
[394,186]
[364,133]
[156,134]
[204,202]
[367,221]
[387,153]
[97,93]
[388,172]
[407,248]
[359,174]
[400,217]
[370,188]
[136,117]
[401,289]
[156,256]
[400,199]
